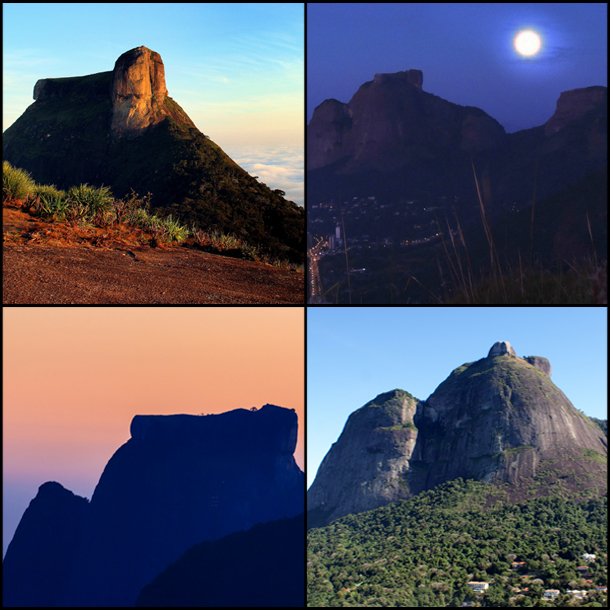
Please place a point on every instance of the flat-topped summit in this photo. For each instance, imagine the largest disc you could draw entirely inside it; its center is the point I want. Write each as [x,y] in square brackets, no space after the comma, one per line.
[122,130]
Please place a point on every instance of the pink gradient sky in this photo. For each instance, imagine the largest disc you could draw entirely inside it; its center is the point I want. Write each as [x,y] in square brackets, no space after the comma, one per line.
[75,377]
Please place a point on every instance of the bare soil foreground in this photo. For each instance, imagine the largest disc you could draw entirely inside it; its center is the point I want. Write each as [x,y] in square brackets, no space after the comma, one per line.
[45,271]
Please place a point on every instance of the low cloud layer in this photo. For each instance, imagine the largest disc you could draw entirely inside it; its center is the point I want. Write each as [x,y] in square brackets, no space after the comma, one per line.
[278,167]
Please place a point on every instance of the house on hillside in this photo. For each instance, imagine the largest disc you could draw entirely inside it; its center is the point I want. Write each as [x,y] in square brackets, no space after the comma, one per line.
[588,557]
[478,587]
[550,594]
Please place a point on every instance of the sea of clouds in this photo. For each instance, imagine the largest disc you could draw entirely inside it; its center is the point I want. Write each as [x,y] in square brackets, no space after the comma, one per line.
[279,167]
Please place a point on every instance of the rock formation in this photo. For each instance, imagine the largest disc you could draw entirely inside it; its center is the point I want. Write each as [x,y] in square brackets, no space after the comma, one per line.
[138,92]
[501,347]
[390,121]
[40,557]
[573,105]
[500,420]
[122,130]
[179,480]
[366,467]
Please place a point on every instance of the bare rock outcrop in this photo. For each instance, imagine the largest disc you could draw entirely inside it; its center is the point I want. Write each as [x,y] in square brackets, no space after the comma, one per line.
[501,347]
[390,122]
[138,92]
[574,104]
[366,468]
[179,480]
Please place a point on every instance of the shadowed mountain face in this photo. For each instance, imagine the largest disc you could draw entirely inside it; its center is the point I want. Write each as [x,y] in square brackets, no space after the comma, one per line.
[121,129]
[179,480]
[499,420]
[394,140]
[276,578]
[40,557]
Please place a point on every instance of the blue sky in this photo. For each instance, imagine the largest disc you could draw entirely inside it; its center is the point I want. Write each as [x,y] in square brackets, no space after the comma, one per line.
[354,354]
[464,50]
[236,69]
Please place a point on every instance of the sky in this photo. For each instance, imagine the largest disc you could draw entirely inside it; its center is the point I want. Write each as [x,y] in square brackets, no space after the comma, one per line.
[236,69]
[355,354]
[75,377]
[465,51]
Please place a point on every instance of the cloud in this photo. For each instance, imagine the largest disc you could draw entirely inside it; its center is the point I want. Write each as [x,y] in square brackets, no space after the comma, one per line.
[280,167]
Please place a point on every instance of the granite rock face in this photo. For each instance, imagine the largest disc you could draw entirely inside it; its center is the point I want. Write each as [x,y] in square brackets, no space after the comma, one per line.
[366,468]
[499,420]
[392,121]
[180,480]
[138,92]
[501,347]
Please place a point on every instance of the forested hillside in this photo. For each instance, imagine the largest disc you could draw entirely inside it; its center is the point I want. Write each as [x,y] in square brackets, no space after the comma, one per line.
[422,552]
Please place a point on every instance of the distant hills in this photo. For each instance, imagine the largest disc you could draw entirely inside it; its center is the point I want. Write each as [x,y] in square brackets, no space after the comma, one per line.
[121,129]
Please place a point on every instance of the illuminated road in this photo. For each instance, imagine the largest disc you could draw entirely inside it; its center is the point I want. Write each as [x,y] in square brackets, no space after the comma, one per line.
[315,283]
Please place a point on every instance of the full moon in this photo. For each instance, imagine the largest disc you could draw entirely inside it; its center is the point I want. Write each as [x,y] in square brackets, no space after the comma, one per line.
[527,43]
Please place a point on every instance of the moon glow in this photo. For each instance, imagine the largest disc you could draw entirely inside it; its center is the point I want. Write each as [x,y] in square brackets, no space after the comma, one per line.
[527,43]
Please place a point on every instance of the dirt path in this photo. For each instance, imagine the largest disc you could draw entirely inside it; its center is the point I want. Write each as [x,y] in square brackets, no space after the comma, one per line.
[74,275]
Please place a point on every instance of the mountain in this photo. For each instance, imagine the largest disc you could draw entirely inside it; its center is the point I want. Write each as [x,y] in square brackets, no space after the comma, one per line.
[121,129]
[498,420]
[261,568]
[40,557]
[179,480]
[394,140]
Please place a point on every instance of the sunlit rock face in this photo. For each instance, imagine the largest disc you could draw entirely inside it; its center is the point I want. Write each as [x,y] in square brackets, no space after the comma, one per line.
[366,467]
[498,420]
[501,347]
[138,92]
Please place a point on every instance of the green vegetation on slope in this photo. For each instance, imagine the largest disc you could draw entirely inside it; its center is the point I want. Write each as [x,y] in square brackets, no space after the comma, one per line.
[422,552]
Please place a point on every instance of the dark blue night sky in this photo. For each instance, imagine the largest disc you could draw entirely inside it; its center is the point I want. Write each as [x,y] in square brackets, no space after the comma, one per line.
[464,50]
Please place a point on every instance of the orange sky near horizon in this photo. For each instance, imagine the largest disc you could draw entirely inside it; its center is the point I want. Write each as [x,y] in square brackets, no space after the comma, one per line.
[75,377]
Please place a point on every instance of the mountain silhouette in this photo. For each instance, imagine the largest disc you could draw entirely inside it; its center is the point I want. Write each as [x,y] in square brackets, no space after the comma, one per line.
[498,420]
[261,568]
[179,480]
[121,129]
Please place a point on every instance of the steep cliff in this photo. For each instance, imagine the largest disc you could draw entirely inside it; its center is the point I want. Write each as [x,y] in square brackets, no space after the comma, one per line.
[179,480]
[366,468]
[499,420]
[393,122]
[121,129]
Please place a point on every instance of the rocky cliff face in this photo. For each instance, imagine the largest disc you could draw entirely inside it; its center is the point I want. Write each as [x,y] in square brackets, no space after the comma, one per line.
[366,468]
[500,420]
[573,105]
[390,121]
[179,480]
[138,92]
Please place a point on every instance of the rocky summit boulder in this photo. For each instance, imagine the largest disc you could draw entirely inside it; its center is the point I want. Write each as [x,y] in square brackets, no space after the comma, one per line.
[179,480]
[498,420]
